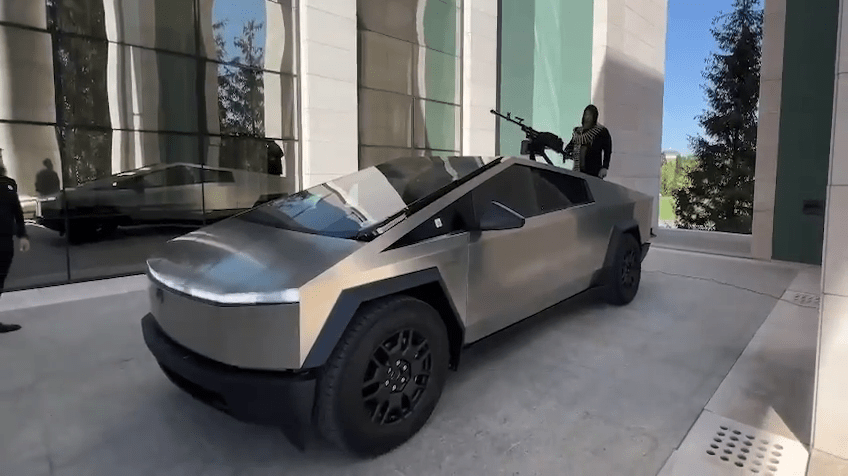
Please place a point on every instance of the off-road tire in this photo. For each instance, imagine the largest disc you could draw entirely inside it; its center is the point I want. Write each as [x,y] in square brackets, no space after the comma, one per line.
[342,415]
[621,290]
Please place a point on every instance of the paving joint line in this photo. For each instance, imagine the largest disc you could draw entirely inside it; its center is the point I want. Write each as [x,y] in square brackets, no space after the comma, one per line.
[735,286]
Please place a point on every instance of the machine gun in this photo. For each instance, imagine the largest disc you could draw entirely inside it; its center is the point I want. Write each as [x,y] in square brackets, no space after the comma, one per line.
[536,142]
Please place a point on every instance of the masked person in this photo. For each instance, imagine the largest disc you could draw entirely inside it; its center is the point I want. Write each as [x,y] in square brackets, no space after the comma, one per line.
[11,225]
[275,158]
[591,145]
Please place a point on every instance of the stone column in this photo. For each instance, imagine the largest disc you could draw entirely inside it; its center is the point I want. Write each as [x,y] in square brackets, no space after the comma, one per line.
[628,65]
[479,70]
[328,82]
[771,88]
[830,433]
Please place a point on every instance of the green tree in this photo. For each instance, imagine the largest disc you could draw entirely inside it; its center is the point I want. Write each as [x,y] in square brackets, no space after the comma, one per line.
[675,175]
[720,192]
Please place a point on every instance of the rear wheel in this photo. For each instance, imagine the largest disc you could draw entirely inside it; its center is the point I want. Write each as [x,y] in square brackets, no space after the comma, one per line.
[626,272]
[385,377]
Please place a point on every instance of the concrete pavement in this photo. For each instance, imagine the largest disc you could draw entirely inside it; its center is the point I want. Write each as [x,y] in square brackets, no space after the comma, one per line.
[582,389]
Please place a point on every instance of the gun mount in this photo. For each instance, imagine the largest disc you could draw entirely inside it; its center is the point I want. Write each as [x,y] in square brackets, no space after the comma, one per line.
[536,142]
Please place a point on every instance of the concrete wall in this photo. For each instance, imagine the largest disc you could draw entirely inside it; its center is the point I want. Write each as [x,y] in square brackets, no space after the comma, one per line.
[628,74]
[328,82]
[771,88]
[831,412]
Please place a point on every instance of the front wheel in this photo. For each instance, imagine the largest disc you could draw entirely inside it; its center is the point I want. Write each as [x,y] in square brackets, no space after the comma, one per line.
[626,272]
[385,376]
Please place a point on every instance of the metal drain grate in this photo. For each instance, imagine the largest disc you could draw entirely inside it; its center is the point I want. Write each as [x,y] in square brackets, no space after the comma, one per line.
[719,446]
[806,300]
[758,455]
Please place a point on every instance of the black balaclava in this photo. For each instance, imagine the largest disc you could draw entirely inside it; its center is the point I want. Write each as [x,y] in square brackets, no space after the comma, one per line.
[593,111]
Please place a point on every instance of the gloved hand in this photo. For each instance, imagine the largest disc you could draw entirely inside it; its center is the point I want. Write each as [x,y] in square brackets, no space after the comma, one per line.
[603,173]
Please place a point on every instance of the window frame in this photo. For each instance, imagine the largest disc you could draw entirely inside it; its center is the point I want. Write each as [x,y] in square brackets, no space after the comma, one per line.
[538,174]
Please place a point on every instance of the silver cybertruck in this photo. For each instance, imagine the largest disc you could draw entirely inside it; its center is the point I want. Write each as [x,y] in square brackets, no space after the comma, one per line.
[341,308]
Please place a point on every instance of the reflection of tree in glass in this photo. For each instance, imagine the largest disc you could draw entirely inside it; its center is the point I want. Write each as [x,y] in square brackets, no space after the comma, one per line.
[82,99]
[241,94]
[241,98]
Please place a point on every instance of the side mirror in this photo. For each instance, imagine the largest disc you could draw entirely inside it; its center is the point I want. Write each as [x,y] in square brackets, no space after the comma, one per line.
[497,216]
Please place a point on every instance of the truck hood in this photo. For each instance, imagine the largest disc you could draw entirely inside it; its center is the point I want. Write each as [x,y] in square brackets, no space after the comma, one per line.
[235,262]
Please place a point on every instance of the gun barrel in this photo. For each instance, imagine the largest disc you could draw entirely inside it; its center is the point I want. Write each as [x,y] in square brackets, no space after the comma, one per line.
[508,117]
[497,113]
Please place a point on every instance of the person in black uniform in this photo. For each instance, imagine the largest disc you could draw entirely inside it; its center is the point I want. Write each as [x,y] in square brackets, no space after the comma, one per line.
[275,158]
[47,181]
[11,225]
[591,145]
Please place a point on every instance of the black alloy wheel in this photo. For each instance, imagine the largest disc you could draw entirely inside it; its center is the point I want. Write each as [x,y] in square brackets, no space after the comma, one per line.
[625,272]
[385,376]
[397,377]
[630,269]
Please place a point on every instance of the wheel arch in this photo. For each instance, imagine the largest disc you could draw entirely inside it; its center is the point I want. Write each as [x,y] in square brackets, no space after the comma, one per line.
[426,285]
[627,227]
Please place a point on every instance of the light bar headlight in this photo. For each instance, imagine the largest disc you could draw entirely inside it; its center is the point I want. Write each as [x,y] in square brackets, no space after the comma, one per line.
[285,296]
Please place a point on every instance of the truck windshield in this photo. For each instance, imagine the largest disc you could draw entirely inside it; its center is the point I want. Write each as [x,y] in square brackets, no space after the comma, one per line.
[345,206]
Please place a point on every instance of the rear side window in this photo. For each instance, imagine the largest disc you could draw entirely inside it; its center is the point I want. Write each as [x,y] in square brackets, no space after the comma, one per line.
[556,191]
[512,187]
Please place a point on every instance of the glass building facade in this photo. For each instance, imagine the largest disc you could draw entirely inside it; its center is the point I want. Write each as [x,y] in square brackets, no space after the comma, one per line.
[410,73]
[128,122]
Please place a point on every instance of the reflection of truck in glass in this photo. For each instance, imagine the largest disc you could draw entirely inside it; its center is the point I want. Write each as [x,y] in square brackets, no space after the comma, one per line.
[179,193]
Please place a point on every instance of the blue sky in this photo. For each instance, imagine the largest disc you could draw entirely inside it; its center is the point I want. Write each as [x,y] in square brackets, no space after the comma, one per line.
[239,12]
[688,45]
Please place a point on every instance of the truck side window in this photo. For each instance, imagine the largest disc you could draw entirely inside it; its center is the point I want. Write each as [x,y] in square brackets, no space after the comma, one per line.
[557,191]
[512,187]
[455,218]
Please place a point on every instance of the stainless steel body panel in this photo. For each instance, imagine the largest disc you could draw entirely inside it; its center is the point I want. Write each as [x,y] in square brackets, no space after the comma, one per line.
[373,263]
[250,337]
[232,257]
[517,273]
[492,278]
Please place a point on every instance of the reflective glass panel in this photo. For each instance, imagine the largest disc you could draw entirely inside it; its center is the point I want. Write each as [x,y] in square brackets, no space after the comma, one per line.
[439,79]
[256,33]
[125,209]
[243,172]
[30,156]
[436,125]
[385,119]
[161,24]
[248,101]
[24,13]
[26,76]
[409,78]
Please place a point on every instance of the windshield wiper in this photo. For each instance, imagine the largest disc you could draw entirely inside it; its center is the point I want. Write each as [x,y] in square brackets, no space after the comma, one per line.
[369,232]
